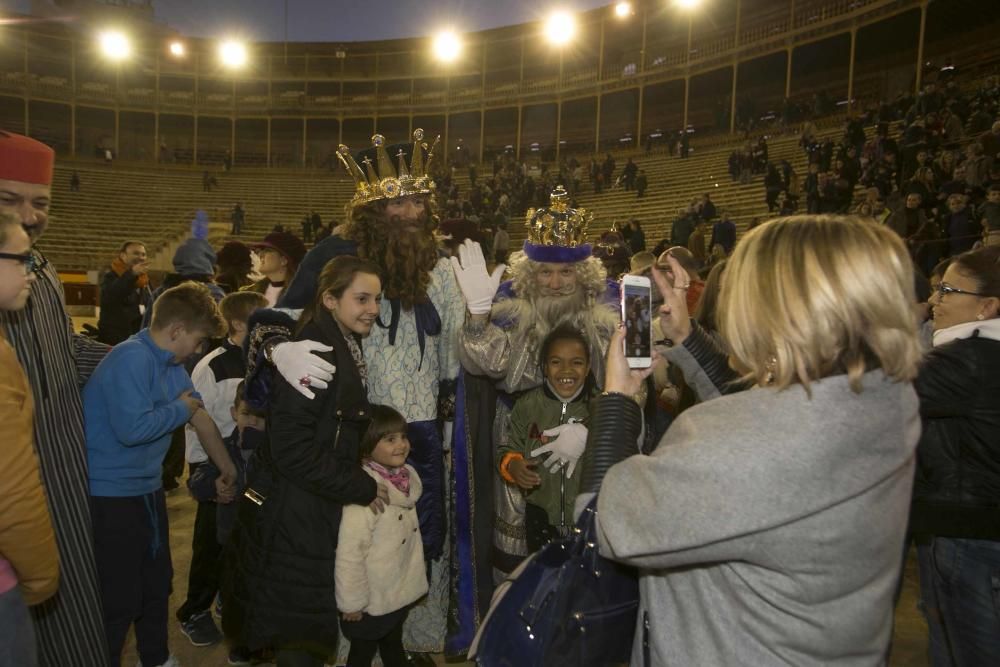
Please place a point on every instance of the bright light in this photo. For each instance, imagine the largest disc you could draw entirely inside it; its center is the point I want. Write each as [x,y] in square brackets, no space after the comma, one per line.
[447,46]
[233,54]
[115,45]
[177,49]
[560,27]
[623,10]
[687,4]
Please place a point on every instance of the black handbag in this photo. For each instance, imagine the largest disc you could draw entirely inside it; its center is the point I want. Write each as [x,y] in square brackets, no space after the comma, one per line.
[565,605]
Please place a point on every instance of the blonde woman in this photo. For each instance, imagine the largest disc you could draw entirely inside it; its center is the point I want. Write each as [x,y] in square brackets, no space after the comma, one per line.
[767,525]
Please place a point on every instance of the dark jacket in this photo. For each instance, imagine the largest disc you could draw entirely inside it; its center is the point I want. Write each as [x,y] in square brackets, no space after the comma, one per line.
[120,301]
[280,588]
[957,488]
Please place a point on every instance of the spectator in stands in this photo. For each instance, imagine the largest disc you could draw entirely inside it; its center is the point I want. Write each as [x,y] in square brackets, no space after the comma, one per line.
[316,222]
[29,560]
[237,218]
[724,234]
[641,183]
[613,253]
[125,294]
[696,244]
[977,165]
[629,172]
[279,256]
[74,182]
[682,227]
[306,226]
[990,141]
[208,181]
[501,243]
[706,208]
[772,187]
[635,237]
[607,170]
[69,627]
[989,216]
[855,429]
[235,265]
[685,144]
[960,226]
[954,495]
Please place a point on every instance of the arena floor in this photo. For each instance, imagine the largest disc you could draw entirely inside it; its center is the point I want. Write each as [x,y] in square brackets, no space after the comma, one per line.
[909,646]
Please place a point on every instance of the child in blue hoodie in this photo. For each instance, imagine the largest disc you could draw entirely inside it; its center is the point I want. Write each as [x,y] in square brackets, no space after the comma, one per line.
[139,394]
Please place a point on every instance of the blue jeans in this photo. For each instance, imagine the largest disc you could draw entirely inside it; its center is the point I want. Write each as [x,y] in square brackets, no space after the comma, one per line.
[960,598]
[17,634]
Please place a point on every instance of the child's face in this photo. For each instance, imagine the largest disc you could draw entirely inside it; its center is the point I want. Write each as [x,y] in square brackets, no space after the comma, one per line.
[185,342]
[16,276]
[246,418]
[357,307]
[566,367]
[392,450]
[993,196]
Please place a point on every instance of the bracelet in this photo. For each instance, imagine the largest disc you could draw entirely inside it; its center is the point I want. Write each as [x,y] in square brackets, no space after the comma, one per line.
[617,393]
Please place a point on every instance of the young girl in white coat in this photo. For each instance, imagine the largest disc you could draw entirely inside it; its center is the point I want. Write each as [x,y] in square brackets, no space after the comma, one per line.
[380,556]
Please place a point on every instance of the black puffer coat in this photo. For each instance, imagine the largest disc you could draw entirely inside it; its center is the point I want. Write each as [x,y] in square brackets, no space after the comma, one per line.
[957,487]
[278,584]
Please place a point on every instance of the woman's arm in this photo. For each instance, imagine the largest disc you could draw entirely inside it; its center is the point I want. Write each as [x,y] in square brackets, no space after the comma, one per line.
[292,425]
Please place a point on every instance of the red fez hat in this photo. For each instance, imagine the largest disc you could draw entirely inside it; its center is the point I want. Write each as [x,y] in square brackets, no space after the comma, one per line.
[25,159]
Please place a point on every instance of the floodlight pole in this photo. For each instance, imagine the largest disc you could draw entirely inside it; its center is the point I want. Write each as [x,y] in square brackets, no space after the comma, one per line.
[850,70]
[920,47]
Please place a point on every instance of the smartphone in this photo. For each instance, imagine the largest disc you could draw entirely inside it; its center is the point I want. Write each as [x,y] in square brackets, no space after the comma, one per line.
[636,294]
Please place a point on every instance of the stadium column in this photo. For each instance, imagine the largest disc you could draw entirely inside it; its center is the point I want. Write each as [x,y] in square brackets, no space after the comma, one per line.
[305,139]
[118,102]
[850,70]
[736,69]
[194,144]
[72,102]
[269,141]
[687,73]
[27,90]
[482,109]
[156,109]
[600,77]
[788,73]
[920,45]
[232,127]
[642,87]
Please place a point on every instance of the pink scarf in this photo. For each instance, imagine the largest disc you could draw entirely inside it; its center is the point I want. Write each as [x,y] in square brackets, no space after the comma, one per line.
[398,477]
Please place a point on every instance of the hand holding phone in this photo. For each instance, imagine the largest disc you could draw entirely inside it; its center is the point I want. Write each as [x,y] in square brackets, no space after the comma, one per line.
[636,306]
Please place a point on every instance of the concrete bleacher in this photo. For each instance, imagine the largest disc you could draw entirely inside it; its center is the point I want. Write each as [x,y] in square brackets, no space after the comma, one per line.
[156,205]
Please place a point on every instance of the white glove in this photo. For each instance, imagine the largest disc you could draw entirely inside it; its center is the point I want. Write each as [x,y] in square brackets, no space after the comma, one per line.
[478,286]
[301,368]
[567,448]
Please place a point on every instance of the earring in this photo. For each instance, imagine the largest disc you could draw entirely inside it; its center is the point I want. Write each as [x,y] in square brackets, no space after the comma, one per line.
[769,367]
[980,316]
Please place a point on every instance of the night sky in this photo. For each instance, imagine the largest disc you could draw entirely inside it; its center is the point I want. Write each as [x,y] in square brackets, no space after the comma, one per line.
[337,20]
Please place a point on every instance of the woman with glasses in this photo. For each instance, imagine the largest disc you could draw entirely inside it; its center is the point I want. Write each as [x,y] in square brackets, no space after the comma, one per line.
[956,506]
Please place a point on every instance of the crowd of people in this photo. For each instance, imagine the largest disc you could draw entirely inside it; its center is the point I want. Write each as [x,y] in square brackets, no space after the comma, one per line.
[380,430]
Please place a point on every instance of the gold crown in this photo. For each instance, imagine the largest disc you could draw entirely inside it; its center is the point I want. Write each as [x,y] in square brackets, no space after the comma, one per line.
[387,182]
[558,225]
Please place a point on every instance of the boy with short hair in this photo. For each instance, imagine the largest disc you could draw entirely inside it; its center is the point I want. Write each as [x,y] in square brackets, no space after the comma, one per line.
[137,396]
[215,378]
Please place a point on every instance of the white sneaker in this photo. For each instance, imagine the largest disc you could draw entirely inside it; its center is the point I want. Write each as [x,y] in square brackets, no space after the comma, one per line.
[172,661]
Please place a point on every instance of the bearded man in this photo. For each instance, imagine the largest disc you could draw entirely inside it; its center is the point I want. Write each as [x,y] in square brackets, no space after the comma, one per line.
[411,356]
[70,625]
[556,281]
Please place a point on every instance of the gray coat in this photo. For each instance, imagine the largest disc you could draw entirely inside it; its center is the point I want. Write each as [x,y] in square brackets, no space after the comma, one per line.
[768,526]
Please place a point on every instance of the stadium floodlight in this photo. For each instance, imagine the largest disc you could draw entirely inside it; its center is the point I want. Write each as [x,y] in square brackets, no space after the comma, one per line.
[177,49]
[233,53]
[560,27]
[447,46]
[115,45]
[623,10]
[687,4]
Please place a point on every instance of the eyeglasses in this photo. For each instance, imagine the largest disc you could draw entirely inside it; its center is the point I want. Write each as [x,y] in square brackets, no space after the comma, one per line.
[945,288]
[31,263]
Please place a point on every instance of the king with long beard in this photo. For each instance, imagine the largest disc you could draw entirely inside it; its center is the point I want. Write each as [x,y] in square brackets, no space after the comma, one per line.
[555,281]
[411,353]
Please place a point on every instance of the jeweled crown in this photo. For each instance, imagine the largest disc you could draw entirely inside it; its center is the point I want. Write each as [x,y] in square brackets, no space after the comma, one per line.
[558,225]
[380,179]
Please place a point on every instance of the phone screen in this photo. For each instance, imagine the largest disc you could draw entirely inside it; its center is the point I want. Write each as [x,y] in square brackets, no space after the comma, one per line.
[638,339]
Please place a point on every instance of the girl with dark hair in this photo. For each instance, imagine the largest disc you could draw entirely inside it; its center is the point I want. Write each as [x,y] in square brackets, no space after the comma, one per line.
[280,590]
[380,557]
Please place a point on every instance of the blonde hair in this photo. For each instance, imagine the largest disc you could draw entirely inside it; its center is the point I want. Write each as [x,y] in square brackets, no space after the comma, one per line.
[806,297]
[239,306]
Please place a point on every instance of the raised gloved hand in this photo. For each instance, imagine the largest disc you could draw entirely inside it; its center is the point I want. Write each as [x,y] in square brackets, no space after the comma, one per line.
[566,444]
[478,286]
[301,368]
